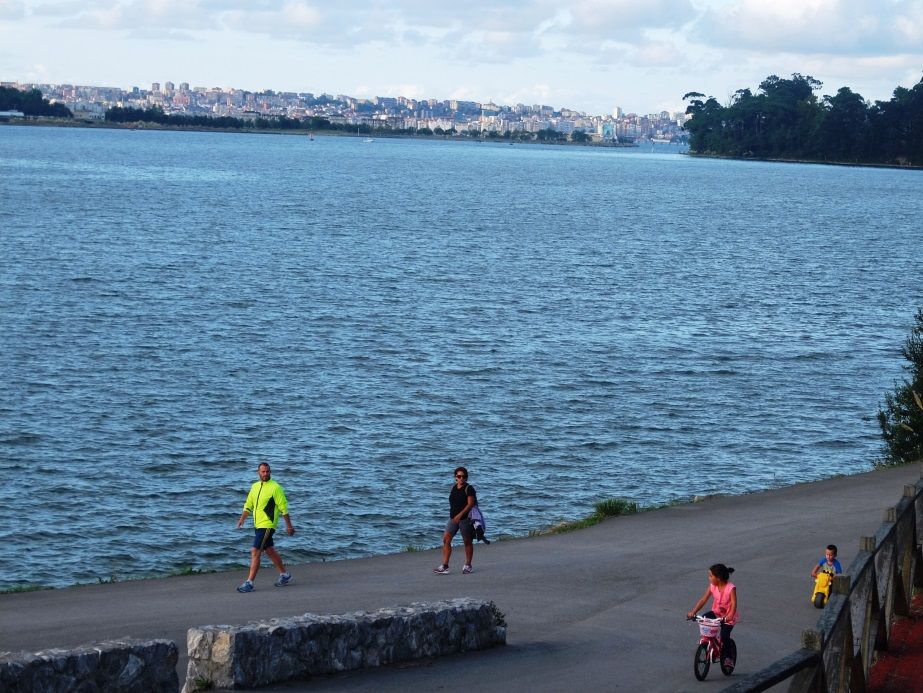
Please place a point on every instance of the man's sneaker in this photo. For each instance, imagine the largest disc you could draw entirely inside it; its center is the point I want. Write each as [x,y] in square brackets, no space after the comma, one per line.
[284,579]
[441,570]
[729,663]
[466,570]
[246,587]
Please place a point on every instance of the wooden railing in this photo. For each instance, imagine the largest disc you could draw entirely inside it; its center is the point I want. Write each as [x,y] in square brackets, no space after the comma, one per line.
[877,586]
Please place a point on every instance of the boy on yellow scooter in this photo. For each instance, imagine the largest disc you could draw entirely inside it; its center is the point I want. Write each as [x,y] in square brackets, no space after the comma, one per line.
[823,573]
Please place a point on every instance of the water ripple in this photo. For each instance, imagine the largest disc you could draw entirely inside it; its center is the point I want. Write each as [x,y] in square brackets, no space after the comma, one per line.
[630,330]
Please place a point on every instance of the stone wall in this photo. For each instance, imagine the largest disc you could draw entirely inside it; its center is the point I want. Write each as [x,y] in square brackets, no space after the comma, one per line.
[303,646]
[123,666]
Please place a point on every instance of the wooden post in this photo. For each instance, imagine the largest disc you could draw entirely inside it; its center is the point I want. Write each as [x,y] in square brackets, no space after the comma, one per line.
[811,679]
[841,584]
[812,639]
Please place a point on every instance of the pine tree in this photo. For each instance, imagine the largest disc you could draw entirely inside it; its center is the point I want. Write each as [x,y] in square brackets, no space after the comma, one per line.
[901,419]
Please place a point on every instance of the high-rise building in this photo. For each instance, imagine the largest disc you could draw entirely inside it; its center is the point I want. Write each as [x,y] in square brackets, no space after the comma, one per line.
[155,87]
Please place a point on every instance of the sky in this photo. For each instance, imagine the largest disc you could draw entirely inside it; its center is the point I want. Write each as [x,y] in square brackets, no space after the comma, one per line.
[587,55]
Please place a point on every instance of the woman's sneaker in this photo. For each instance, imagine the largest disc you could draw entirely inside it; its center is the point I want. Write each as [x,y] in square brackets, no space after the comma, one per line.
[246,587]
[284,579]
[441,570]
[466,570]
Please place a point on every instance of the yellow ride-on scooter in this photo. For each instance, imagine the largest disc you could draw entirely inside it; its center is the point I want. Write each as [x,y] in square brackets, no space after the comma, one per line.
[821,593]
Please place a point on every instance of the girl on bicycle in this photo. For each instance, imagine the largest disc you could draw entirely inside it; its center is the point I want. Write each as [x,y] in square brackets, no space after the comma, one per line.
[724,599]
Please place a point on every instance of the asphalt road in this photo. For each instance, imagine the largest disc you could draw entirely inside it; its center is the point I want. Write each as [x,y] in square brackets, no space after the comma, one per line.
[601,609]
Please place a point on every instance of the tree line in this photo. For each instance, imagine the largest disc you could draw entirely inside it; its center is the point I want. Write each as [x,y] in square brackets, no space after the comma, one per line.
[786,120]
[31,103]
[155,114]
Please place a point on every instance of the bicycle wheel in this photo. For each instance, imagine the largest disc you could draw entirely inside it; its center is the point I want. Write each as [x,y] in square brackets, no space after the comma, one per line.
[728,653]
[819,600]
[701,661]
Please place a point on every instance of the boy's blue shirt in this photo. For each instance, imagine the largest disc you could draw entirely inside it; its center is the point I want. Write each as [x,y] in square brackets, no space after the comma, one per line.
[823,565]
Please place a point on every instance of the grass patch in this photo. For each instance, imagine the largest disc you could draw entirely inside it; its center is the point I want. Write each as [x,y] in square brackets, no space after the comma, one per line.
[613,507]
[25,588]
[610,507]
[188,570]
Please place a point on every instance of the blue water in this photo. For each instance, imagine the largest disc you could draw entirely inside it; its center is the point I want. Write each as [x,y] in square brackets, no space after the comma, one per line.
[570,323]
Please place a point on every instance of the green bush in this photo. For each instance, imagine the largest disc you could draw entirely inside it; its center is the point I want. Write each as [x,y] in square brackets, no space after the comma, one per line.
[901,418]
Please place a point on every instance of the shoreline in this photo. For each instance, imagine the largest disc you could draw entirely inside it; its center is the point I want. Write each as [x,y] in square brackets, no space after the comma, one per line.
[554,529]
[848,164]
[157,127]
[383,134]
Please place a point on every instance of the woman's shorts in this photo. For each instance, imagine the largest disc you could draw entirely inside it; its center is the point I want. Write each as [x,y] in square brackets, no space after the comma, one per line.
[263,539]
[467,529]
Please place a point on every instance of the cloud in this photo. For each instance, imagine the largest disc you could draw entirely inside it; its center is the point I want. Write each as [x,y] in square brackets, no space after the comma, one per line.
[12,9]
[410,91]
[851,27]
[577,53]
[598,20]
[301,14]
[528,94]
[500,29]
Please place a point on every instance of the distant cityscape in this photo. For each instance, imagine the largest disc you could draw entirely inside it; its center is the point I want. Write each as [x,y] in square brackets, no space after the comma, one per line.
[398,113]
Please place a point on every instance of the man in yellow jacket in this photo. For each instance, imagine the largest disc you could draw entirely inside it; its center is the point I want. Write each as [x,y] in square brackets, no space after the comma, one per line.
[266,502]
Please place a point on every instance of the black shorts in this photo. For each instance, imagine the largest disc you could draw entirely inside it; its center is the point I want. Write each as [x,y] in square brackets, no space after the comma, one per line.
[263,539]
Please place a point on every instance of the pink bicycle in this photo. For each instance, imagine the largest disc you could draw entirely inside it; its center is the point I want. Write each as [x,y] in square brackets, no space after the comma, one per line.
[710,648]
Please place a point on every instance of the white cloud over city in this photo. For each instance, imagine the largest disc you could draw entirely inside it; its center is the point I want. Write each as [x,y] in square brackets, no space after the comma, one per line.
[586,54]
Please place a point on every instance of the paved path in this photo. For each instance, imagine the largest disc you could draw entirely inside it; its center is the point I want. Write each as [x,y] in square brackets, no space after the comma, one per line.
[601,609]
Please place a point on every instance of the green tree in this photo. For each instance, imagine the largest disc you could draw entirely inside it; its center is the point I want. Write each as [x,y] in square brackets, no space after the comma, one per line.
[31,103]
[550,135]
[844,128]
[897,127]
[786,120]
[901,419]
[706,123]
[579,136]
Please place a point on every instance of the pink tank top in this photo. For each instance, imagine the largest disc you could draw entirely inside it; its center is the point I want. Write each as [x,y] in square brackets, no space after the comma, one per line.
[722,601]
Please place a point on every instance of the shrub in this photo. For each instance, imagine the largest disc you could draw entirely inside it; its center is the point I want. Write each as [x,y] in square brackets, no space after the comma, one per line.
[901,418]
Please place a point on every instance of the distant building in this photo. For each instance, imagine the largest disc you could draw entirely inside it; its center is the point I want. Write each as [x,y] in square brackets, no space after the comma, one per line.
[85,110]
[381,111]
